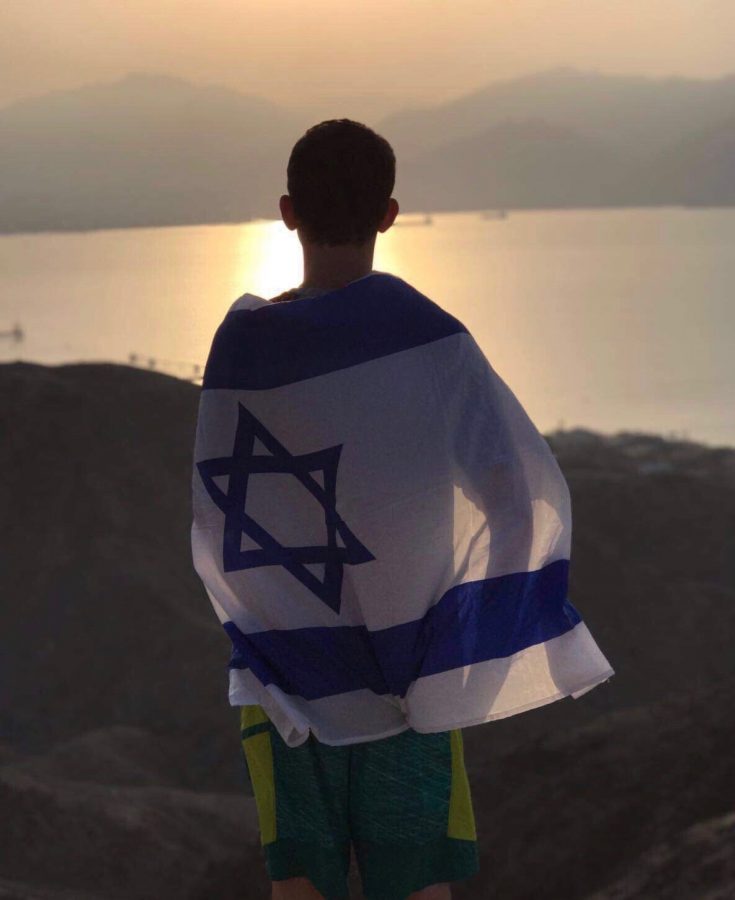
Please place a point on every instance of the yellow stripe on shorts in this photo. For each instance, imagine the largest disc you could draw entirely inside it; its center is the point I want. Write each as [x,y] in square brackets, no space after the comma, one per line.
[461,815]
[259,755]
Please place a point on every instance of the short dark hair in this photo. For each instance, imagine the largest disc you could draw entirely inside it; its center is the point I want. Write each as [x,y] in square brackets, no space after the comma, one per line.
[340,178]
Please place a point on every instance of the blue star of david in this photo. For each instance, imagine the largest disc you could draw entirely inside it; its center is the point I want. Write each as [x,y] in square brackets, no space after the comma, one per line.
[243,463]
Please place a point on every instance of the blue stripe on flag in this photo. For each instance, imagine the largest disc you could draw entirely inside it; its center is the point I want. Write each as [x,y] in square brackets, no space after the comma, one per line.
[473,622]
[266,347]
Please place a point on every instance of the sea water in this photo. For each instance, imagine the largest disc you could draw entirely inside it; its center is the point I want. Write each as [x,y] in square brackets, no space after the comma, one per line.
[610,319]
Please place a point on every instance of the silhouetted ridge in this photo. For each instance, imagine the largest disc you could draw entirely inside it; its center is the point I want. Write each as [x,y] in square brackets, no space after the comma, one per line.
[121,773]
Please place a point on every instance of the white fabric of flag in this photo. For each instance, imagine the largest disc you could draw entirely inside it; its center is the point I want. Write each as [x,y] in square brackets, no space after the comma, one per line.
[381,529]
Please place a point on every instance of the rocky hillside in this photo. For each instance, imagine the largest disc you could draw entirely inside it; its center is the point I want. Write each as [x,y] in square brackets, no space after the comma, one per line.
[120,770]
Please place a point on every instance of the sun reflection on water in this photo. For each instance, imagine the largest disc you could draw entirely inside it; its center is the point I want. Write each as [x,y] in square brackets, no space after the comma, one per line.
[269,258]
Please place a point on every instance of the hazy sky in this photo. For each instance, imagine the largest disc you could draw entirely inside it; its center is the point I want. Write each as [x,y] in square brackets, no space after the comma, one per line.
[381,54]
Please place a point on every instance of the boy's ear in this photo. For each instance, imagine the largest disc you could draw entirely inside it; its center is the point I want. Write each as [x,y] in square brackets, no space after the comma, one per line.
[287,214]
[390,215]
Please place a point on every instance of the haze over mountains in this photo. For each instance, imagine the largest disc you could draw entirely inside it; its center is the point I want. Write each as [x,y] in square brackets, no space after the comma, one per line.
[153,149]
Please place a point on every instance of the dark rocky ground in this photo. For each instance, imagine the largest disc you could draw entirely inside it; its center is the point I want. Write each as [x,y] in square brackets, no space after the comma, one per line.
[120,768]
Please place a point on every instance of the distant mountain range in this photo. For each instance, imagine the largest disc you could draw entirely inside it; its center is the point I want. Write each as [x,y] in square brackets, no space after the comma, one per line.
[153,149]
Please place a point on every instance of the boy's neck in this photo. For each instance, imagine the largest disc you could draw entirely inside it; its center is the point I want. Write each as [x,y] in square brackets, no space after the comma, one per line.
[329,268]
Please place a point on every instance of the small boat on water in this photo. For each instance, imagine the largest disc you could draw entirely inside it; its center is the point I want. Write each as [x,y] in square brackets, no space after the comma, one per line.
[425,220]
[15,333]
[494,214]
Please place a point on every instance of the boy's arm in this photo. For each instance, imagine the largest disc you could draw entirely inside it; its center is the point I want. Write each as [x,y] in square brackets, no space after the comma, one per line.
[503,466]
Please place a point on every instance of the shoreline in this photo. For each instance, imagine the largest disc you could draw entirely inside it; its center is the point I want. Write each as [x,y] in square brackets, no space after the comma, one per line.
[568,440]
[255,220]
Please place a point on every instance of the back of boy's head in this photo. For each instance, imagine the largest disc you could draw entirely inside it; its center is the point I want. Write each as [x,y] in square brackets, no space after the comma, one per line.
[340,177]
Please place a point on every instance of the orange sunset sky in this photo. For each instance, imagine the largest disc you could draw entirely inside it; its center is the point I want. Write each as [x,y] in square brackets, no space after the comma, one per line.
[380,55]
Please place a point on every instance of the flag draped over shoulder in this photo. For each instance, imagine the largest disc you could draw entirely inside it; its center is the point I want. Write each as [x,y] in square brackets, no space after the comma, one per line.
[381,529]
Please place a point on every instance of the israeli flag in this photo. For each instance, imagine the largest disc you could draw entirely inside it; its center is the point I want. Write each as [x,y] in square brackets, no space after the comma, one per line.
[381,529]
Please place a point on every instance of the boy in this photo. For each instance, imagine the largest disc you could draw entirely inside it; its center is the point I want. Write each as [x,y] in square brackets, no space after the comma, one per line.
[384,536]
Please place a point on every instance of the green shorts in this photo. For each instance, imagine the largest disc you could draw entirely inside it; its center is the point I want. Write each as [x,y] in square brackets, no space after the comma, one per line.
[403,802]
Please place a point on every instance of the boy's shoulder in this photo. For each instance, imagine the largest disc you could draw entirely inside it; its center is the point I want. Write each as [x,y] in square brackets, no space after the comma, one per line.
[286,295]
[253,301]
[248,301]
